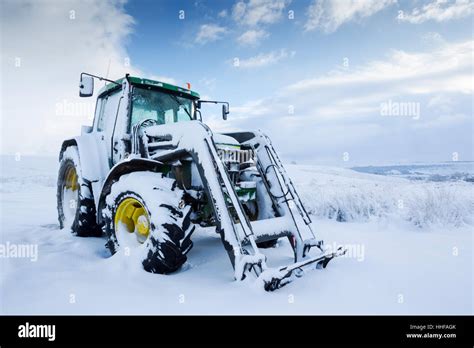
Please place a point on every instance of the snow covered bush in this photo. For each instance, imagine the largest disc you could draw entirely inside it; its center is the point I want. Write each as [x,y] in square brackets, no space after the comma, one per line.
[449,204]
[345,195]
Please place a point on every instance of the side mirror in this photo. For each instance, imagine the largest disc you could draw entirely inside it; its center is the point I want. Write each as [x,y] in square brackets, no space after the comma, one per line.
[86,86]
[225,111]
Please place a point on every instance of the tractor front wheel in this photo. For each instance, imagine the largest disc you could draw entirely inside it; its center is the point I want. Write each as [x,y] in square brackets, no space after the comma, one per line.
[145,215]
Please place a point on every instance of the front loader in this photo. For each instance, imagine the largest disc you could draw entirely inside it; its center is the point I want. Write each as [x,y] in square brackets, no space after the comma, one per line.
[148,171]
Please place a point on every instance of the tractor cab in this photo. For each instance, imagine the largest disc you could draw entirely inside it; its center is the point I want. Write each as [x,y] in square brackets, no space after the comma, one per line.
[130,101]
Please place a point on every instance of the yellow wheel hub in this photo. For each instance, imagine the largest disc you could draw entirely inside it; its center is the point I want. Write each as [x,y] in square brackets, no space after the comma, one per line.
[133,215]
[70,179]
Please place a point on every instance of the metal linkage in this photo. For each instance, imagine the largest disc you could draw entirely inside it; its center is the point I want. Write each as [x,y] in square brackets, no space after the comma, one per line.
[288,182]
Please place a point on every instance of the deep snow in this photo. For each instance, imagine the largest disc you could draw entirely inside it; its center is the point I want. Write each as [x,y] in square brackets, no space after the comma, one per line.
[398,265]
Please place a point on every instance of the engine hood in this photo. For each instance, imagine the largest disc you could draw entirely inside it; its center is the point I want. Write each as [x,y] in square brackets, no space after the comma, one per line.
[225,141]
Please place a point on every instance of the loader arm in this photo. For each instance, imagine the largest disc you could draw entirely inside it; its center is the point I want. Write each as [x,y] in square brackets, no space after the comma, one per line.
[195,139]
[239,235]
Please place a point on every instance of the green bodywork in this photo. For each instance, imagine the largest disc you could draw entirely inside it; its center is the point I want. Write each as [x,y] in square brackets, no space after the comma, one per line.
[244,194]
[152,83]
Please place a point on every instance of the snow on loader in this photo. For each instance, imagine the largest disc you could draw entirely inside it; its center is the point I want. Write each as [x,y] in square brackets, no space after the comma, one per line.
[149,170]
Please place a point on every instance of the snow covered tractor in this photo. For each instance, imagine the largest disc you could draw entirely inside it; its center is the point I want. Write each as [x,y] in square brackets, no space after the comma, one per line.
[149,170]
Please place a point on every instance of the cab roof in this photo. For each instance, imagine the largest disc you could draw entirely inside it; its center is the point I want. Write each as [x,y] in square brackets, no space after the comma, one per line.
[152,83]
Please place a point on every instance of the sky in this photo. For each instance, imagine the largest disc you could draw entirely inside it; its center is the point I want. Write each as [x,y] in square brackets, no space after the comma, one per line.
[343,82]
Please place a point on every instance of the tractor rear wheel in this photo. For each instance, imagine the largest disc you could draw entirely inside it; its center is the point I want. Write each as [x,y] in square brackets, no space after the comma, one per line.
[76,208]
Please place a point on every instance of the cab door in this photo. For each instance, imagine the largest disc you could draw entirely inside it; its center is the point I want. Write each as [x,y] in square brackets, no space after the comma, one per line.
[108,125]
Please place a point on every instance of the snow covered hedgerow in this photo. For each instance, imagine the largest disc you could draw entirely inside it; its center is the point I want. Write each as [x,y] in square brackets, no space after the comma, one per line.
[450,204]
[345,195]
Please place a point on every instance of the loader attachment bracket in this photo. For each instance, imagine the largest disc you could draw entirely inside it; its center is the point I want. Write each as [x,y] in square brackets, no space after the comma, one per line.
[274,279]
[248,264]
[313,242]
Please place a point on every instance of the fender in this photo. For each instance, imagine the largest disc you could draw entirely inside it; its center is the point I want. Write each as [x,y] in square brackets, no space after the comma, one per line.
[125,167]
[92,156]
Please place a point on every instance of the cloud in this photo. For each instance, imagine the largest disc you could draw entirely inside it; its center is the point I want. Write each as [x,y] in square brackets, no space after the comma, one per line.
[252,108]
[255,12]
[252,37]
[329,15]
[208,84]
[264,59]
[44,48]
[440,11]
[441,102]
[433,38]
[165,79]
[443,121]
[447,68]
[329,114]
[210,33]
[222,14]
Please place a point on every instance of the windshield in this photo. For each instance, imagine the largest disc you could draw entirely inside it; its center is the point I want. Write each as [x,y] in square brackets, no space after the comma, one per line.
[159,106]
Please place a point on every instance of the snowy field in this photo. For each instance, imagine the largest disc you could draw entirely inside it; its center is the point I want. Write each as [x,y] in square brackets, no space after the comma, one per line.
[411,243]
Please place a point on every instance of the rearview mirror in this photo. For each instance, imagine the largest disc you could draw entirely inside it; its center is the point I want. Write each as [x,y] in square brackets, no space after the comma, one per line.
[225,111]
[86,86]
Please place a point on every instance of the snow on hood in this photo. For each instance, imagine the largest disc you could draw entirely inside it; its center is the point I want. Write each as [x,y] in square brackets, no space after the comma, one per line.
[222,139]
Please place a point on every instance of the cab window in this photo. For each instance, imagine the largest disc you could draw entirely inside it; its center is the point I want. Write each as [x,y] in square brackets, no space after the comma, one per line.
[159,106]
[108,112]
[98,109]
